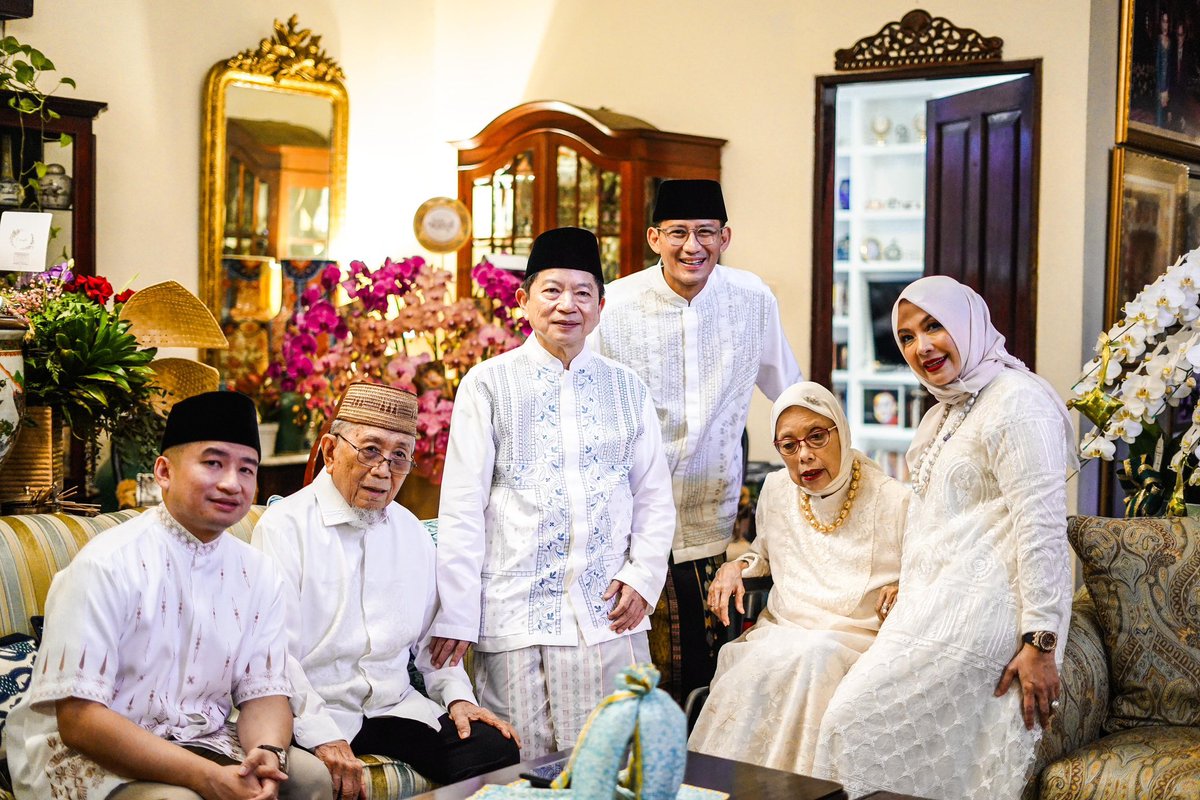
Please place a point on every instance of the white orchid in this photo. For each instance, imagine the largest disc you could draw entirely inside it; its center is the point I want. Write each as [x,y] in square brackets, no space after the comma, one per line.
[1142,395]
[1096,446]
[1124,426]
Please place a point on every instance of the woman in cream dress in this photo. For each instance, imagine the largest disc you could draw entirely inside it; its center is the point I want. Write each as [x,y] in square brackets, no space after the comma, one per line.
[829,529]
[947,702]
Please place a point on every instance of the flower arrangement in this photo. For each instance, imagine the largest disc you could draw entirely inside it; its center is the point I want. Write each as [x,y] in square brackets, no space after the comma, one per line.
[399,326]
[1143,366]
[79,357]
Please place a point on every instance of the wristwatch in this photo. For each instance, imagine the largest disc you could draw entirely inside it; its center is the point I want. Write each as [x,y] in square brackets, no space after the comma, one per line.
[280,753]
[1045,641]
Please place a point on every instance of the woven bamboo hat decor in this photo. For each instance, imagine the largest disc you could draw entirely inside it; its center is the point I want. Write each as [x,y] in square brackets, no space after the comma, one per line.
[168,315]
[182,378]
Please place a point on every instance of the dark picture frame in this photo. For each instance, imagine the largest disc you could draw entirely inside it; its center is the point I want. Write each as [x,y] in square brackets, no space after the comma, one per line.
[1148,223]
[1158,103]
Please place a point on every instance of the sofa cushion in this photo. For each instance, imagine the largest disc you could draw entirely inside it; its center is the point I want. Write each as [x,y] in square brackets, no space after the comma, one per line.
[1144,576]
[387,779]
[1159,761]
[16,668]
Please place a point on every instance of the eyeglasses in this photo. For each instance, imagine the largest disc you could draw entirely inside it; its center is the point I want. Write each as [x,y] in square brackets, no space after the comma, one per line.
[817,438]
[679,236]
[371,457]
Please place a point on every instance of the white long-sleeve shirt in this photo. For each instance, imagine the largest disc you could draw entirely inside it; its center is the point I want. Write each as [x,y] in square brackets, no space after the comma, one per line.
[701,361]
[555,484]
[167,631]
[360,602]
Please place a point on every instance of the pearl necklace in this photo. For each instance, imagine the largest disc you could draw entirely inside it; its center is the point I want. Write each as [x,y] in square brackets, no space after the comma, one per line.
[930,455]
[811,518]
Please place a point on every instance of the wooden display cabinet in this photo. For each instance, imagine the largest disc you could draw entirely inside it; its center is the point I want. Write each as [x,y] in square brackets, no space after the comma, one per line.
[31,139]
[548,164]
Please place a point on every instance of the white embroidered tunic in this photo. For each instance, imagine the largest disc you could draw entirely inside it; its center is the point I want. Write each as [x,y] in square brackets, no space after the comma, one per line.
[773,683]
[360,602]
[165,630]
[985,560]
[555,484]
[701,361]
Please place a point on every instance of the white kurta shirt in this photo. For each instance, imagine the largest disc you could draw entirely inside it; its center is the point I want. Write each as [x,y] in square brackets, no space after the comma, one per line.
[555,484]
[701,361]
[360,602]
[165,630]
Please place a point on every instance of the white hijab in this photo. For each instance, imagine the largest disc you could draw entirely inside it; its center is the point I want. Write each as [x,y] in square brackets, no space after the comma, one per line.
[965,316]
[815,397]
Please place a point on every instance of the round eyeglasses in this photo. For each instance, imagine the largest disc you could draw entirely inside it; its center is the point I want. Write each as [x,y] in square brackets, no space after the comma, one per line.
[371,457]
[816,439]
[679,236]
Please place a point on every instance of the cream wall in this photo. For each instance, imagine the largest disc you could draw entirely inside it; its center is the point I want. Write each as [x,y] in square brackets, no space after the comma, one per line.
[422,73]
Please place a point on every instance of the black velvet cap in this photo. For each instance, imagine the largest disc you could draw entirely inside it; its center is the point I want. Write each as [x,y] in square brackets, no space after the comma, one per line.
[213,417]
[692,199]
[565,248]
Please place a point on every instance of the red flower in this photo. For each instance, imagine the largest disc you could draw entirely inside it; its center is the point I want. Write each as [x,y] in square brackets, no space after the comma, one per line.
[95,287]
[124,296]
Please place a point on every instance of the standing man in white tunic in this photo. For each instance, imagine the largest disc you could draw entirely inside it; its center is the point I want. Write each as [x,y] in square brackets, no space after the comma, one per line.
[157,629]
[359,573]
[556,513]
[702,336]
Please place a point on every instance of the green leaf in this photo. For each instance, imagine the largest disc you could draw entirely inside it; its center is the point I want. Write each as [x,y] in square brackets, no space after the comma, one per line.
[52,114]
[9,44]
[40,168]
[68,81]
[39,61]
[24,72]
[26,105]
[65,140]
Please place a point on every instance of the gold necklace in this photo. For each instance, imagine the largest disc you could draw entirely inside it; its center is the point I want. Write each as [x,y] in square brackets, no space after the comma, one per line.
[811,518]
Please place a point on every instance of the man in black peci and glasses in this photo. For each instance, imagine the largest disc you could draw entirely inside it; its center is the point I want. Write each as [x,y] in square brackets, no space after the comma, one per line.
[359,572]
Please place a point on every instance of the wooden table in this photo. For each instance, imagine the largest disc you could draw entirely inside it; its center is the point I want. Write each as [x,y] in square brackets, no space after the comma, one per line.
[740,781]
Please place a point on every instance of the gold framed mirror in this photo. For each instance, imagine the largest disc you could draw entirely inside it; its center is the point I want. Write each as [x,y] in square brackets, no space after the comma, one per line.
[273,170]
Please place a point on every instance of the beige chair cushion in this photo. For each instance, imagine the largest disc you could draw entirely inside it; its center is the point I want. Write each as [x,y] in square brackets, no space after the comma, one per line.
[1162,762]
[1144,576]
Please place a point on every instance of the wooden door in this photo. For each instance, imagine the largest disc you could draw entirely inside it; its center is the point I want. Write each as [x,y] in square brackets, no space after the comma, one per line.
[981,202]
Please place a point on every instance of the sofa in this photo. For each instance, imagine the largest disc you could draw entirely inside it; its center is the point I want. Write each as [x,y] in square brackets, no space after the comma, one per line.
[1129,724]
[33,548]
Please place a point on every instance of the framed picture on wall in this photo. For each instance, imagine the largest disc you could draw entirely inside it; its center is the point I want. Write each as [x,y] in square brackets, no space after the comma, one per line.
[1158,104]
[1148,223]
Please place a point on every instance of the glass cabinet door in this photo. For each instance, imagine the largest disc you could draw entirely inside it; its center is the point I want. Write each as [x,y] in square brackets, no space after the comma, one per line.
[502,209]
[590,197]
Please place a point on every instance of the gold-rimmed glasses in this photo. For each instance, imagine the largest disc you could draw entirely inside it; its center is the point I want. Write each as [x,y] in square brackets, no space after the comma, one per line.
[371,456]
[817,438]
[678,236]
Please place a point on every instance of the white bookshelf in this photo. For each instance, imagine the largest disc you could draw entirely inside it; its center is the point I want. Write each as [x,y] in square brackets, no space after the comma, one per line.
[879,236]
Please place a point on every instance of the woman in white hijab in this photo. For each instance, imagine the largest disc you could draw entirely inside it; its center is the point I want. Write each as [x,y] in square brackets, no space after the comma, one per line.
[947,702]
[829,529]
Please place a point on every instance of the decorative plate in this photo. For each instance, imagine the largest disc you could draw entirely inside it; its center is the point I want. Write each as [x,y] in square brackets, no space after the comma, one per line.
[442,225]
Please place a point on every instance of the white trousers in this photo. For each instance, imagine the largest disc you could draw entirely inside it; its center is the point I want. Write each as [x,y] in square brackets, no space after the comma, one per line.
[546,692]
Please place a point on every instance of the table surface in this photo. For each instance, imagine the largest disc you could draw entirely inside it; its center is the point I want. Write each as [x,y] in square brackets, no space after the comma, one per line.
[740,781]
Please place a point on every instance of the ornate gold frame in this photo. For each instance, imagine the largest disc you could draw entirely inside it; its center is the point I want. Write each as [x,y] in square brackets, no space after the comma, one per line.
[290,62]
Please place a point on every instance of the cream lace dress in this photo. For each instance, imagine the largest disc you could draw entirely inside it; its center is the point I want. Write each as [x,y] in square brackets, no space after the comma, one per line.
[773,683]
[985,559]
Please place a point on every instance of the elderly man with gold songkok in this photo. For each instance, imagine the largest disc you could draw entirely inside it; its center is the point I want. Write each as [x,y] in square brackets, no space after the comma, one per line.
[556,514]
[359,572]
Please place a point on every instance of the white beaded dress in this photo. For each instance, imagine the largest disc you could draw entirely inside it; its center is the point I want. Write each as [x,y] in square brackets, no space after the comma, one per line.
[985,559]
[773,683]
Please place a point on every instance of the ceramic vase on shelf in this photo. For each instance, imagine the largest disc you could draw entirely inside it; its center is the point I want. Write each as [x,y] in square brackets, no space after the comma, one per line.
[11,193]
[293,424]
[12,397]
[268,436]
[55,191]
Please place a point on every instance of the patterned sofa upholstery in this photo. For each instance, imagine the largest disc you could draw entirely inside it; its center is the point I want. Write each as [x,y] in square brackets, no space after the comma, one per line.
[1129,726]
[33,548]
